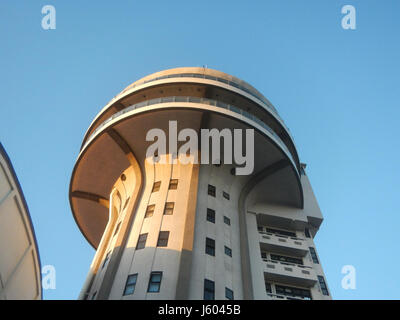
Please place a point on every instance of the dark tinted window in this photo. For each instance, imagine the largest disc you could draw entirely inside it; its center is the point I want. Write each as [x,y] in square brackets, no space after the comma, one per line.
[150,211]
[169,208]
[130,284]
[209,290]
[211,190]
[228,251]
[156,186]
[227,220]
[323,286]
[211,215]
[155,282]
[173,184]
[313,255]
[163,239]
[210,246]
[141,241]
[228,294]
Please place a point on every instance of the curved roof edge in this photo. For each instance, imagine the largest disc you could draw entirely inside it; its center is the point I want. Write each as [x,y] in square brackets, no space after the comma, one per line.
[7,159]
[198,70]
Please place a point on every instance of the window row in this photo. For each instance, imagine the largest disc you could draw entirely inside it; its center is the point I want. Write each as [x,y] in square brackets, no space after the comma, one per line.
[210,248]
[161,242]
[168,209]
[153,285]
[212,191]
[211,217]
[173,185]
[209,291]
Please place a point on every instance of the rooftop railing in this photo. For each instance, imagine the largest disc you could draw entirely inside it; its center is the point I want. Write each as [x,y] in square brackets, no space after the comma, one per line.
[206,76]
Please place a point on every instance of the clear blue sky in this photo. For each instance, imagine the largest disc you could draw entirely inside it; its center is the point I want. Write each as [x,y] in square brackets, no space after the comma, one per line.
[336,89]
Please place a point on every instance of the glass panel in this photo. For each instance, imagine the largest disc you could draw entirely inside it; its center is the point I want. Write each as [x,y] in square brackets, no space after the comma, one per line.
[156,277]
[154,287]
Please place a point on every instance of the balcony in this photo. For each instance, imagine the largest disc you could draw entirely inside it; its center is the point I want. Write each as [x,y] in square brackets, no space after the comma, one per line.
[292,246]
[289,273]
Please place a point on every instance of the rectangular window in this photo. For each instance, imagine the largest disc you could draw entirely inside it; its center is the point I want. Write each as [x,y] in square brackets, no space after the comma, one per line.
[150,210]
[163,239]
[323,286]
[307,233]
[260,229]
[268,287]
[277,257]
[173,184]
[226,195]
[156,186]
[211,190]
[155,282]
[169,208]
[228,294]
[141,241]
[106,259]
[228,251]
[209,290]
[227,221]
[210,215]
[313,255]
[210,246]
[130,284]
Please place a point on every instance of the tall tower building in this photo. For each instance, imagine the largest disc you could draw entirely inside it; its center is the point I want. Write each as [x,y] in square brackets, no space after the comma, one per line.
[173,230]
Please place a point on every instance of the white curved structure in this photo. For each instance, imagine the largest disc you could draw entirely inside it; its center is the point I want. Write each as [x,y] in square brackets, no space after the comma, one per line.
[190,231]
[20,271]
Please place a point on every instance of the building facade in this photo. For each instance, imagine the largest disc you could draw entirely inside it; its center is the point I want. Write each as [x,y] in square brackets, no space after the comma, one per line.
[166,229]
[20,270]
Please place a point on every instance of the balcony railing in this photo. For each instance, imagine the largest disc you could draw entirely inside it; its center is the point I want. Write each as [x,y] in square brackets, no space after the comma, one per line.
[285,297]
[193,100]
[206,76]
[290,273]
[302,266]
[281,236]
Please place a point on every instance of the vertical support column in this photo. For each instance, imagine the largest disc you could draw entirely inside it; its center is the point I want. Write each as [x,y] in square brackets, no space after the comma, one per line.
[94,267]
